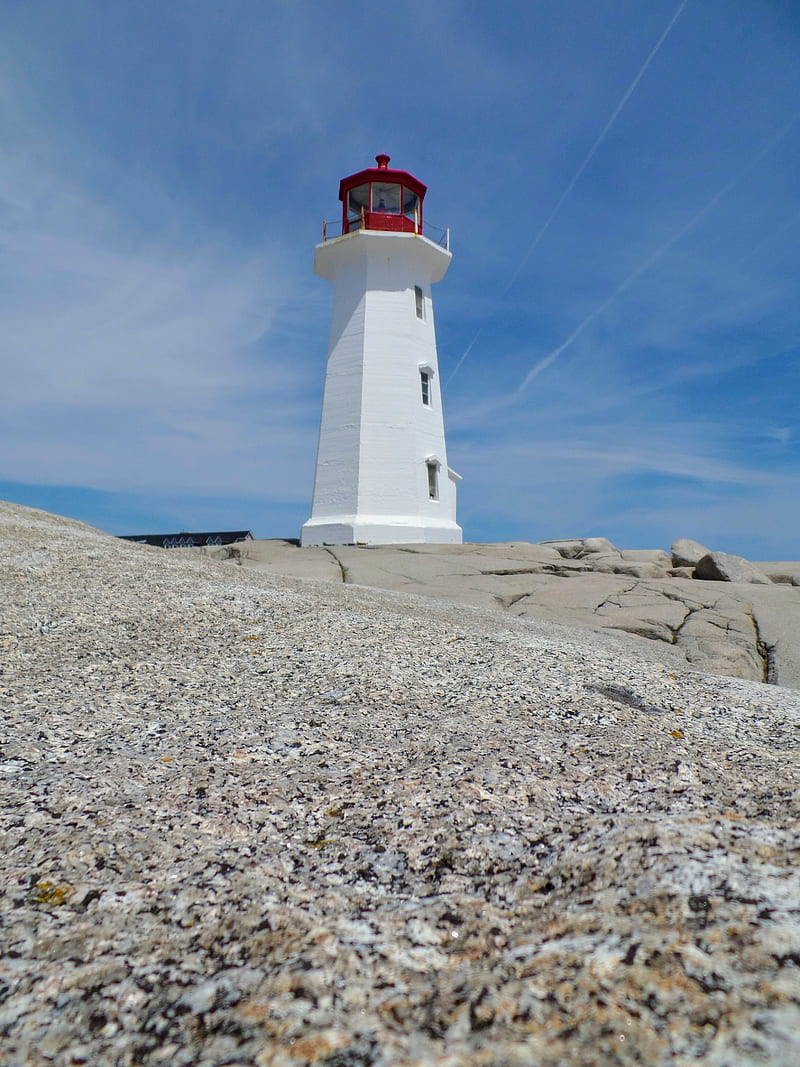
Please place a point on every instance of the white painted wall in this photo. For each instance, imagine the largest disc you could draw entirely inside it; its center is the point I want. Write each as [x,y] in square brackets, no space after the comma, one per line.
[371,483]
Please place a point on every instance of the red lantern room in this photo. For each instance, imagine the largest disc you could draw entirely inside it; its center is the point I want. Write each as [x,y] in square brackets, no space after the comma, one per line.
[382,199]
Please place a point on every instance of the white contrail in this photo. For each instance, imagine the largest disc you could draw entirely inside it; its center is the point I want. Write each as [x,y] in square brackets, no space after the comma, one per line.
[578,174]
[544,363]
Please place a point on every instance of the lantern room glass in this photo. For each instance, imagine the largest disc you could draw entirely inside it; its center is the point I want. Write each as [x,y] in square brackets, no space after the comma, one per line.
[386,198]
[410,204]
[357,201]
[392,200]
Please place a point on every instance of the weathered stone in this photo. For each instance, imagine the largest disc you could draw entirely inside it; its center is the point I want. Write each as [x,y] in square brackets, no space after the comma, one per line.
[598,544]
[259,820]
[776,617]
[648,555]
[686,552]
[723,567]
[631,568]
[277,557]
[570,549]
[200,998]
[586,546]
[723,638]
[608,592]
[781,573]
[680,572]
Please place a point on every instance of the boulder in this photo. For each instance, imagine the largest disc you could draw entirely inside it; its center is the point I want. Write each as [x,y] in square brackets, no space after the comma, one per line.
[723,567]
[781,573]
[585,546]
[566,549]
[686,552]
[602,545]
[648,555]
[630,568]
[598,554]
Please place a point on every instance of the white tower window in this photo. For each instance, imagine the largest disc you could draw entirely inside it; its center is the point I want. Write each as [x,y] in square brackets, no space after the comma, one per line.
[433,479]
[419,300]
[425,384]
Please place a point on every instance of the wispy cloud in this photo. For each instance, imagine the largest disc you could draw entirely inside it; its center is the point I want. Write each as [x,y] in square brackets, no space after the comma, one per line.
[576,177]
[542,364]
[124,340]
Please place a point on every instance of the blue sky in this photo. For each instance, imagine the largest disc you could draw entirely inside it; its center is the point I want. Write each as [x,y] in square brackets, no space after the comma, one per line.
[620,351]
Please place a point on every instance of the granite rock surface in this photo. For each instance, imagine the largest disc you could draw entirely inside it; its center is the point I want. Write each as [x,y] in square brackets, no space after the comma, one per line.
[686,552]
[735,628]
[257,820]
[724,567]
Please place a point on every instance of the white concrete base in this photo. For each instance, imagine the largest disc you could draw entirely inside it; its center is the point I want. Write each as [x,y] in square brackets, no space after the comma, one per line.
[378,530]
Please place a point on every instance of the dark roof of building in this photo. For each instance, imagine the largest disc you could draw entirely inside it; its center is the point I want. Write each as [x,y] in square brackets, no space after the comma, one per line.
[190,540]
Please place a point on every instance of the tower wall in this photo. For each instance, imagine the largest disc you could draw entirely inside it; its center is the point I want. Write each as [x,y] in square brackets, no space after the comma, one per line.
[377,436]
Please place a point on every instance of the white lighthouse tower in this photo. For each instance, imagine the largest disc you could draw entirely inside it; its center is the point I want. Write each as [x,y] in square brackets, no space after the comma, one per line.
[382,475]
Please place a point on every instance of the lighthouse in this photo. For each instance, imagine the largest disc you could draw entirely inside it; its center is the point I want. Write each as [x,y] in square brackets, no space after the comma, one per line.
[381,474]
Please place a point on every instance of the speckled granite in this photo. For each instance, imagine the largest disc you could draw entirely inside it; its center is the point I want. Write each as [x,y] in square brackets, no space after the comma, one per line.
[259,820]
[737,629]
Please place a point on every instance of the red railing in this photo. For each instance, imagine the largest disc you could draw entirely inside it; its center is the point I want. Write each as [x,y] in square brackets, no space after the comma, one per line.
[390,224]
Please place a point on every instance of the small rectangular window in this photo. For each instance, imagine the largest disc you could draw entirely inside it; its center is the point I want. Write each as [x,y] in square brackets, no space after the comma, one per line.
[425,383]
[433,481]
[420,302]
